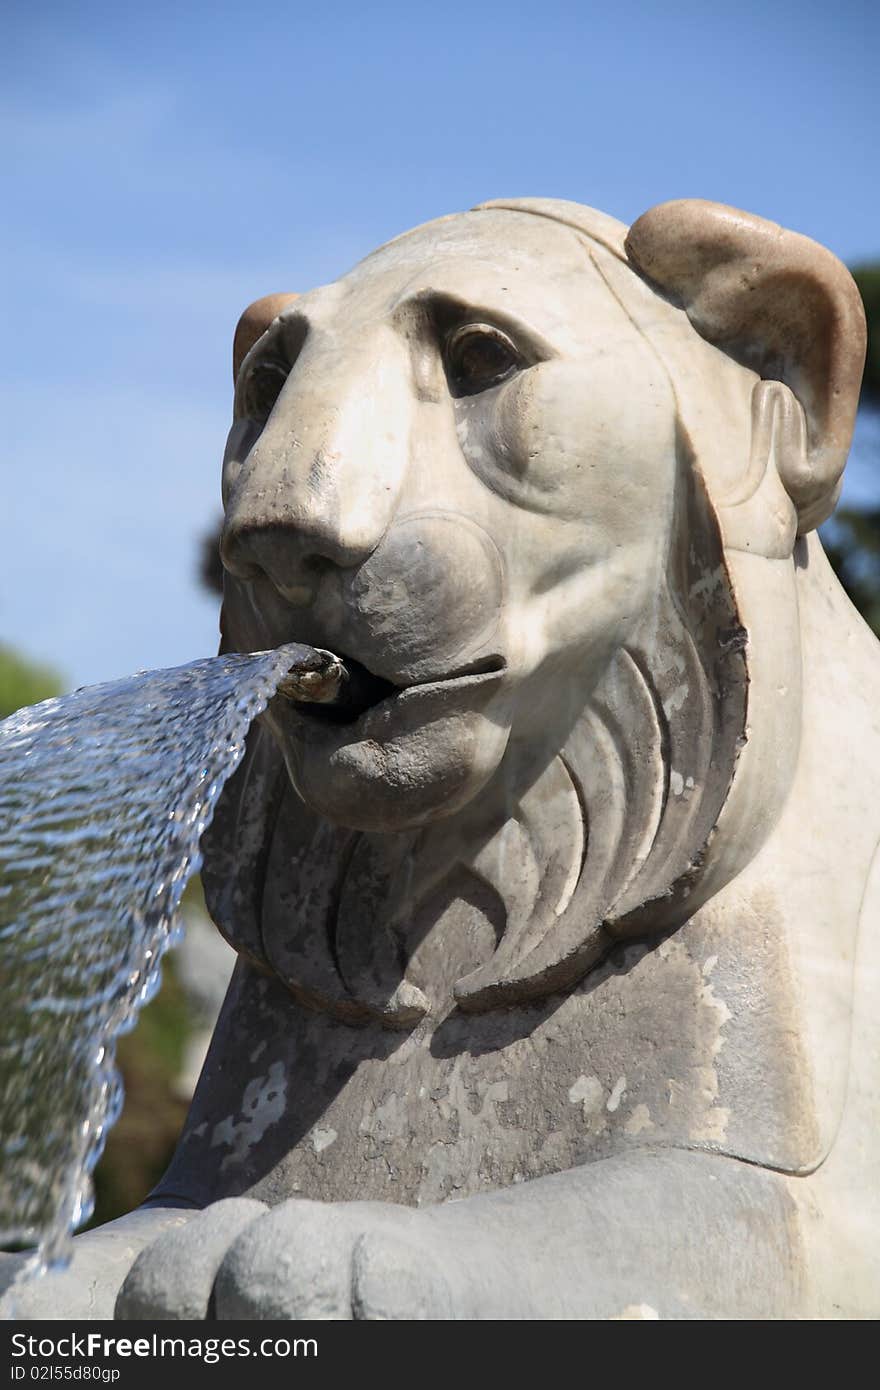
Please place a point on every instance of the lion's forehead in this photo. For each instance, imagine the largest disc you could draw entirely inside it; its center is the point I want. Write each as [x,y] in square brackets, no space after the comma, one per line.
[500,262]
[518,238]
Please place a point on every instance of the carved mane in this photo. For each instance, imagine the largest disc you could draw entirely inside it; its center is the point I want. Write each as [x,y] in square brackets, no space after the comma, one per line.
[654,800]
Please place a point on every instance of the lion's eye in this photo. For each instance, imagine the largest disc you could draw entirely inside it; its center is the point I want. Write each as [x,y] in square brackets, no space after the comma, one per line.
[262,388]
[479,356]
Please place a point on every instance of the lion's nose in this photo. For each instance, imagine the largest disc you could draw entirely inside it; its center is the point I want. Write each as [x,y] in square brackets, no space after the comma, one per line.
[321,485]
[292,535]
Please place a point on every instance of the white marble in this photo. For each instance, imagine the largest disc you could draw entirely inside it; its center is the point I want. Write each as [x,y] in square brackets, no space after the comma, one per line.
[575,918]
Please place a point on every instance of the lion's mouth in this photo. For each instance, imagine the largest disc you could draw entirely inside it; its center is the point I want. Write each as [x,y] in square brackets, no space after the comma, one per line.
[359,691]
[362,693]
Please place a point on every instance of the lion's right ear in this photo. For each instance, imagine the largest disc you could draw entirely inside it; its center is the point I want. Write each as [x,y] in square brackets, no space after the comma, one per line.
[781,305]
[253,324]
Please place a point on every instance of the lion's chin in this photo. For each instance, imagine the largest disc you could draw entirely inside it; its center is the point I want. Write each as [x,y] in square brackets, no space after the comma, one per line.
[417,758]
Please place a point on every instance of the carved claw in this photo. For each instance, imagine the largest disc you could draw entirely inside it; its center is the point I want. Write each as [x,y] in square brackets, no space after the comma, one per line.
[301,1260]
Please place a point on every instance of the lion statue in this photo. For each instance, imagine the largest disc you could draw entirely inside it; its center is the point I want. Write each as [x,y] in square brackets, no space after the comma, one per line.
[548,1002]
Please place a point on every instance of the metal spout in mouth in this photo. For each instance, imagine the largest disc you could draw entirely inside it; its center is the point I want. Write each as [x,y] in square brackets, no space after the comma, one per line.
[333,689]
[318,679]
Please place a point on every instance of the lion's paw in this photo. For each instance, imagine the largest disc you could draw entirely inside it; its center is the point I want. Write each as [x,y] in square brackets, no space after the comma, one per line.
[300,1260]
[173,1278]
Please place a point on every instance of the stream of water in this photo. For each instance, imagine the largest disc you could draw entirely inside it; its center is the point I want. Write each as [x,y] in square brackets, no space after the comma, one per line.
[104,795]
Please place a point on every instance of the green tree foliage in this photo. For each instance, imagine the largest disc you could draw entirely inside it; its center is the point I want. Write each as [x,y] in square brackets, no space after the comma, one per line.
[852,543]
[141,1143]
[852,537]
[210,570]
[867,277]
[23,683]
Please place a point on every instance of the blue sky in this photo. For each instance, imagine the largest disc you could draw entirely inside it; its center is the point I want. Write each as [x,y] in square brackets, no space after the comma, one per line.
[165,164]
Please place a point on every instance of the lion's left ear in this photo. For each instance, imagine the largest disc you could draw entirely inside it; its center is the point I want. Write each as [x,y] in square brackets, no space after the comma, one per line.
[253,324]
[779,304]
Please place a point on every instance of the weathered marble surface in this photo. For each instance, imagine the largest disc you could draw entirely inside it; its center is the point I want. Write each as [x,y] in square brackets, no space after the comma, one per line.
[577,926]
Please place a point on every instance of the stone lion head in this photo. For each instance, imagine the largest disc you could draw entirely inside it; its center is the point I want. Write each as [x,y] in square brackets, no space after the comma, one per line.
[543,480]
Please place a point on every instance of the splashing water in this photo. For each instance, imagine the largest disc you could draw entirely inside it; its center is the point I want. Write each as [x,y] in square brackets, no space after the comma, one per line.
[104,795]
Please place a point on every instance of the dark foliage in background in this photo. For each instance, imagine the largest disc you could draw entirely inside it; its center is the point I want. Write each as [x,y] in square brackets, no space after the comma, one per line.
[867,277]
[852,543]
[852,537]
[210,568]
[24,683]
[141,1143]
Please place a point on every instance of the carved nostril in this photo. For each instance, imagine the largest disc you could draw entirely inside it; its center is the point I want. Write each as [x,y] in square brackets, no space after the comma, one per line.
[277,553]
[234,554]
[297,595]
[302,579]
[314,566]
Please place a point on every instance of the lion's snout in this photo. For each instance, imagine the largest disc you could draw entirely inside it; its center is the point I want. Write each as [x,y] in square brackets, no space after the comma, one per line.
[430,598]
[316,484]
[426,601]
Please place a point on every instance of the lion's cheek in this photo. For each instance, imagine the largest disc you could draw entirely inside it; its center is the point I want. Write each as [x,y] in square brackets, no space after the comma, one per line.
[573,440]
[585,547]
[428,599]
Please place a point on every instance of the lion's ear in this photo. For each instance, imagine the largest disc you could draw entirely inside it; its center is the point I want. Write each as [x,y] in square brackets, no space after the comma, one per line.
[253,324]
[779,304]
